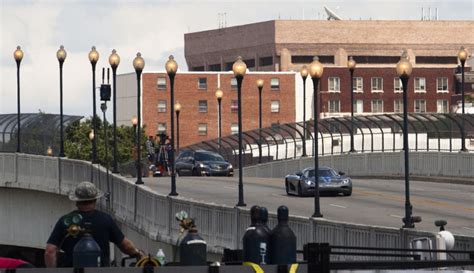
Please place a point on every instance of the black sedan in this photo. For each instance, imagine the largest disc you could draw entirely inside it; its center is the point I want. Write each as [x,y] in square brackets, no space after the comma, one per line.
[301,183]
[202,163]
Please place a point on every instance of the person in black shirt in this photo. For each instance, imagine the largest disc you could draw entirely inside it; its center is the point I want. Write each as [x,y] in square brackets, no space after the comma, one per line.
[99,224]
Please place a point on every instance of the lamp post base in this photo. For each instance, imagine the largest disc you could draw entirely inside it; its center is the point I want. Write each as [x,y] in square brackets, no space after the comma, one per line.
[241,204]
[115,169]
[408,225]
[463,150]
[353,151]
[317,215]
[139,182]
[173,193]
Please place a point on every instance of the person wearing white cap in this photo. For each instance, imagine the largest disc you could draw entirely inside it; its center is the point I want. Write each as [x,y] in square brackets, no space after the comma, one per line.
[99,224]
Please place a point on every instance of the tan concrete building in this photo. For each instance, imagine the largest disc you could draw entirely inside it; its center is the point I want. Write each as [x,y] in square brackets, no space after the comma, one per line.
[284,45]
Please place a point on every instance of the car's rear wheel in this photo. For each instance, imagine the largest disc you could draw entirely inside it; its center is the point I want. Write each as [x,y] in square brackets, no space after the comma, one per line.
[195,172]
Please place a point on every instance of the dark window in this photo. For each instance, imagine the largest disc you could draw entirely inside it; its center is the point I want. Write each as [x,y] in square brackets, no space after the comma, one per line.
[228,66]
[376,59]
[250,63]
[215,67]
[436,60]
[198,68]
[264,61]
[233,83]
[203,106]
[306,59]
[234,106]
[202,83]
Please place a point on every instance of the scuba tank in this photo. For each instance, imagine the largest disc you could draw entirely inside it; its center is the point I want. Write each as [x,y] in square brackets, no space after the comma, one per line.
[283,240]
[264,216]
[256,240]
[86,252]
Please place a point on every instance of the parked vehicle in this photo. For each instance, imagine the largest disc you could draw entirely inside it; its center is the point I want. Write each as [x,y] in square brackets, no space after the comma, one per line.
[202,163]
[301,183]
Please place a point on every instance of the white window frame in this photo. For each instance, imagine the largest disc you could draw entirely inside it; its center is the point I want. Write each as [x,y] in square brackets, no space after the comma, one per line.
[334,85]
[372,105]
[234,108]
[397,81]
[275,106]
[275,83]
[400,105]
[438,79]
[202,129]
[233,83]
[161,86]
[355,106]
[234,128]
[204,85]
[161,106]
[420,84]
[334,106]
[417,104]
[202,109]
[161,125]
[372,85]
[438,106]
[358,85]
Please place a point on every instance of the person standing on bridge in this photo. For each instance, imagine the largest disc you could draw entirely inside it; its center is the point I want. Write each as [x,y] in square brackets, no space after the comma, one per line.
[102,228]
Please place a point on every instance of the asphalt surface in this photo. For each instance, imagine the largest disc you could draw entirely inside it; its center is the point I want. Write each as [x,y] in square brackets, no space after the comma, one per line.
[373,202]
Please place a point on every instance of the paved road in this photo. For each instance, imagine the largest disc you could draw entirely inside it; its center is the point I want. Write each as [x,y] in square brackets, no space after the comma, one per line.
[374,201]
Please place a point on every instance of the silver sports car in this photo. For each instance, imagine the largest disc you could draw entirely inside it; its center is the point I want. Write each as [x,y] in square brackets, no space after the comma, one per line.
[301,183]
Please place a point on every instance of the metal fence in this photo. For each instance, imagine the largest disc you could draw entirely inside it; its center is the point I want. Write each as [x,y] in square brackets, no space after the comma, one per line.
[372,133]
[152,214]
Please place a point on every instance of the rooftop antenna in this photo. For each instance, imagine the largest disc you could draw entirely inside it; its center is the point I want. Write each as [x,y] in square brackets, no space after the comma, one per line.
[429,9]
[331,14]
[422,14]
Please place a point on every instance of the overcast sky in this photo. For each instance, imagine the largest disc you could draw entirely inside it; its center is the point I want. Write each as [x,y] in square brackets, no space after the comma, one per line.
[154,28]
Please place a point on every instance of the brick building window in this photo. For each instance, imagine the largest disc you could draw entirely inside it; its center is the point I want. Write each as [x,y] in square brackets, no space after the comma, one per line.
[161,83]
[398,106]
[275,106]
[420,85]
[377,106]
[334,106]
[202,83]
[334,84]
[358,84]
[202,129]
[234,106]
[161,106]
[420,106]
[233,83]
[202,106]
[397,85]
[275,83]
[442,106]
[442,85]
[377,84]
[358,106]
[161,128]
[234,128]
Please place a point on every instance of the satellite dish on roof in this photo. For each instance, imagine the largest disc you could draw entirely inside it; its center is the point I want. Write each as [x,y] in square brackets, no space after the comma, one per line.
[331,14]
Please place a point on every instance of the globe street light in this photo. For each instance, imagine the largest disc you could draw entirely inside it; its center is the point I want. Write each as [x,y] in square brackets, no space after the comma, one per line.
[114,61]
[316,71]
[462,55]
[61,55]
[404,70]
[351,64]
[239,68]
[219,95]
[171,68]
[138,64]
[18,56]
[49,151]
[304,75]
[93,58]
[260,87]
[177,109]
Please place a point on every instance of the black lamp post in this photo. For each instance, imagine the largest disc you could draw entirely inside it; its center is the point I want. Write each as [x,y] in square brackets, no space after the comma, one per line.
[260,87]
[177,109]
[93,58]
[304,75]
[351,64]
[404,70]
[114,61]
[134,124]
[91,138]
[103,107]
[61,55]
[138,64]
[219,95]
[239,68]
[316,71]
[171,68]
[18,55]
[462,55]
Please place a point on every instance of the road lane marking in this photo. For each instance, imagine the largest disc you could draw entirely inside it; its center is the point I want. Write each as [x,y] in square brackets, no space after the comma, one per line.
[415,200]
[396,216]
[338,206]
[468,228]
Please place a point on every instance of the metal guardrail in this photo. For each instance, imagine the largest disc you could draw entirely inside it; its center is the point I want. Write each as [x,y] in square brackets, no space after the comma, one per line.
[152,214]
[372,133]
